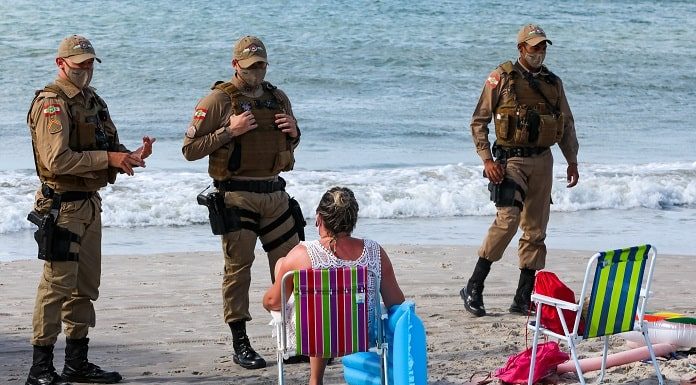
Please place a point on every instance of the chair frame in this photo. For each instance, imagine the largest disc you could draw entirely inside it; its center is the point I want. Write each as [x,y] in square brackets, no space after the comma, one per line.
[572,338]
[381,346]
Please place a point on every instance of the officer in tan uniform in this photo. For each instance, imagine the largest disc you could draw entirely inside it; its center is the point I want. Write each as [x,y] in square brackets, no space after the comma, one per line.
[531,114]
[248,131]
[77,152]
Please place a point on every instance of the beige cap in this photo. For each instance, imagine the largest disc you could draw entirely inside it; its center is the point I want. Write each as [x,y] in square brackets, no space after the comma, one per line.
[532,34]
[77,48]
[249,50]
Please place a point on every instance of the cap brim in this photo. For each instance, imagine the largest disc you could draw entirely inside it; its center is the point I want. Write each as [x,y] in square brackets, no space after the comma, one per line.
[245,63]
[83,57]
[537,40]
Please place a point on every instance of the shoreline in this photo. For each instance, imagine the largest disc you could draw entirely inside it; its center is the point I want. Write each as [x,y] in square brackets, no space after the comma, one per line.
[159,317]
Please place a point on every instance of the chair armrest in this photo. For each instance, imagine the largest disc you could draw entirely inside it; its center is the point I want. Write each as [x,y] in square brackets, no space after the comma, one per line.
[555,302]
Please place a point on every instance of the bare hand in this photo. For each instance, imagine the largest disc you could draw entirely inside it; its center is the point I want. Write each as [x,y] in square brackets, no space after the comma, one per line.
[572,175]
[287,124]
[146,149]
[494,171]
[125,161]
[242,123]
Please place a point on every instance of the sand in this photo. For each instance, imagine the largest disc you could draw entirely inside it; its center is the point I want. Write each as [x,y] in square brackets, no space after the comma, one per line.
[159,318]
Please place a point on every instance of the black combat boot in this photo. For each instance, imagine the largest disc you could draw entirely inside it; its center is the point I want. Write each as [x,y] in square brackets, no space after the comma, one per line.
[78,369]
[244,354]
[522,303]
[42,371]
[472,294]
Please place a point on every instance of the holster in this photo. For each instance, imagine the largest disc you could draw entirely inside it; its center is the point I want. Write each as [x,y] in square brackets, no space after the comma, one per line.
[53,240]
[503,193]
[298,217]
[222,219]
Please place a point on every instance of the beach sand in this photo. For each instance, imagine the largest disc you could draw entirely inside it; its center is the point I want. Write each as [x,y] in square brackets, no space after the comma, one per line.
[159,318]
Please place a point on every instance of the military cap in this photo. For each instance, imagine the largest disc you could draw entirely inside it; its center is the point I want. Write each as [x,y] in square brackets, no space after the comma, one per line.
[249,50]
[77,48]
[532,34]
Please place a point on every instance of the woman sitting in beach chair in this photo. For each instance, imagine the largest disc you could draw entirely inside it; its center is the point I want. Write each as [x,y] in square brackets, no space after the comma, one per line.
[336,217]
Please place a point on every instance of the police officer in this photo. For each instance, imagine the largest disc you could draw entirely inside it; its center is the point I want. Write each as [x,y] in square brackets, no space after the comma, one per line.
[248,131]
[76,152]
[530,113]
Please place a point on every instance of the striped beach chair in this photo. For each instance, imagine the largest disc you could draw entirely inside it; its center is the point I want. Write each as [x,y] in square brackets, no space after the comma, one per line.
[330,310]
[620,286]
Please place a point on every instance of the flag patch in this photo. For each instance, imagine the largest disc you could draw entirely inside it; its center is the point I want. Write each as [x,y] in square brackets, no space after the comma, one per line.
[51,109]
[200,114]
[493,79]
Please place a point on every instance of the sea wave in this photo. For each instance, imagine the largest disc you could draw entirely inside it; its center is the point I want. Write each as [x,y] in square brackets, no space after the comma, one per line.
[168,197]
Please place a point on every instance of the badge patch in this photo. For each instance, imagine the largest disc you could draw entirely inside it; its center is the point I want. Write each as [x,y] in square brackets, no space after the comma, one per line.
[246,106]
[493,79]
[200,114]
[191,132]
[51,109]
[54,125]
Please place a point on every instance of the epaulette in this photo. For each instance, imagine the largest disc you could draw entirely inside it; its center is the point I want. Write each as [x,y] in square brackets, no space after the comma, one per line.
[215,84]
[46,94]
[507,67]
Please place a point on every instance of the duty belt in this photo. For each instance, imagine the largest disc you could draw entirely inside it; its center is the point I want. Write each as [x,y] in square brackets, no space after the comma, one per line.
[67,196]
[509,152]
[255,186]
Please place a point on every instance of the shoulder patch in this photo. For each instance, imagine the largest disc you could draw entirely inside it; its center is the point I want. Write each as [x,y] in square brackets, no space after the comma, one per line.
[51,109]
[200,114]
[54,125]
[493,79]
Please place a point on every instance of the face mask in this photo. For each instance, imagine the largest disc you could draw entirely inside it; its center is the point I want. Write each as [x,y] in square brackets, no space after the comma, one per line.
[535,59]
[79,77]
[252,77]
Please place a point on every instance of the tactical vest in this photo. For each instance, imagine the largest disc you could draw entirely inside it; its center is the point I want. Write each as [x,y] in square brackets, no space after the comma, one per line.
[523,118]
[89,130]
[262,152]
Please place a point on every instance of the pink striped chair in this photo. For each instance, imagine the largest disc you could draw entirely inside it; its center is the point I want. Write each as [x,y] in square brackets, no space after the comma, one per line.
[330,315]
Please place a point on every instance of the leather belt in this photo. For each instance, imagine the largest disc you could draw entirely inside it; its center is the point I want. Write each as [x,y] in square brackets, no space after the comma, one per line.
[524,152]
[66,196]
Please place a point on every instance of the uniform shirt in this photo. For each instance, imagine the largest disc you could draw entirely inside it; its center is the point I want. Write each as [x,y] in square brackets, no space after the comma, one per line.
[51,121]
[493,88]
[208,129]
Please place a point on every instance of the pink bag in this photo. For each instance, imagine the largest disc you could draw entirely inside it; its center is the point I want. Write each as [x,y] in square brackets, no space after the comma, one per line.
[516,370]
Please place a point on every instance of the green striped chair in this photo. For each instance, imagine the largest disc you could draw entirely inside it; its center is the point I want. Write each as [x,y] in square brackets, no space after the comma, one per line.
[330,310]
[620,287]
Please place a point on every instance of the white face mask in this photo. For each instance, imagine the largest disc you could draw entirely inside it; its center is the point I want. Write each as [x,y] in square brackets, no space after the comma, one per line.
[78,76]
[252,77]
[535,59]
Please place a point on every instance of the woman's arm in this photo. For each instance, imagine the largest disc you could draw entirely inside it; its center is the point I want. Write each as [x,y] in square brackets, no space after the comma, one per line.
[296,259]
[389,288]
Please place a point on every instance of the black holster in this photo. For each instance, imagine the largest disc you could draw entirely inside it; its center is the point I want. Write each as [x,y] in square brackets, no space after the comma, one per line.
[298,217]
[222,219]
[503,193]
[44,234]
[53,240]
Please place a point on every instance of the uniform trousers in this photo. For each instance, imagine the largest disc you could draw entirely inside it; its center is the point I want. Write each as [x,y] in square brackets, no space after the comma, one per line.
[238,247]
[534,175]
[68,288]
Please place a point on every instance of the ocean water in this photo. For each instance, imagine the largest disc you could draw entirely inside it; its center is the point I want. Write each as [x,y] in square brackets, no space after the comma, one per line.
[383,92]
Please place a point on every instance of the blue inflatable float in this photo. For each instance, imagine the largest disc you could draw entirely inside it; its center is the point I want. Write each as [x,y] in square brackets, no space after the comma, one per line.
[407,361]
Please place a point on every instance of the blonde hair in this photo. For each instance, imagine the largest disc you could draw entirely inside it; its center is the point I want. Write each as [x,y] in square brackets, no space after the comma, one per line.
[338,209]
